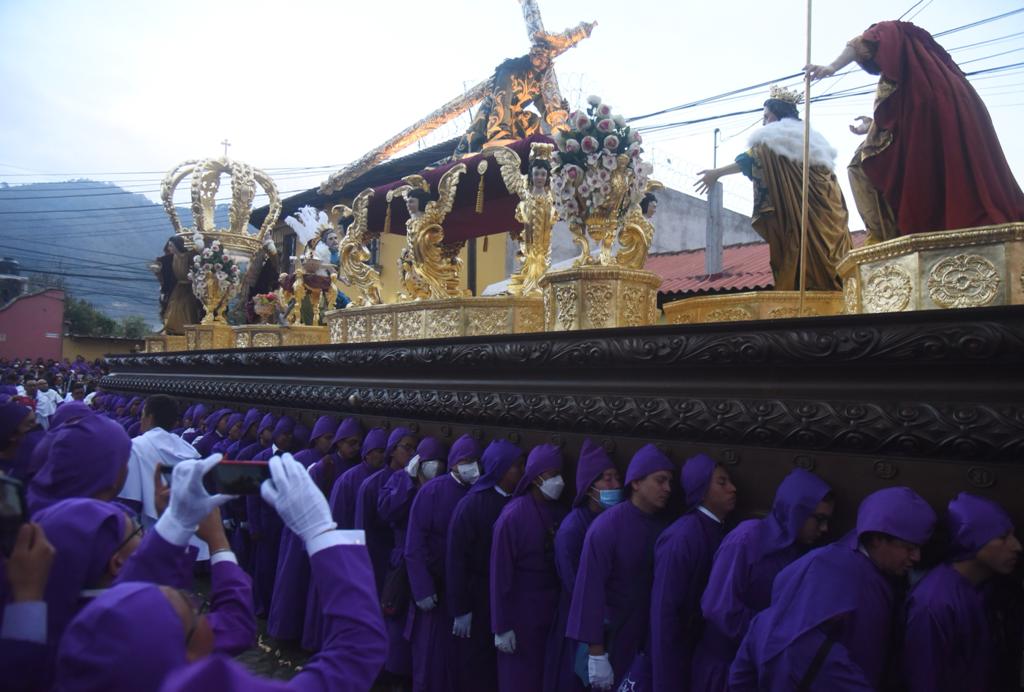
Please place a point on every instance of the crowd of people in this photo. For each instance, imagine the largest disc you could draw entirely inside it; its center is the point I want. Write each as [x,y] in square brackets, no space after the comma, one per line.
[407,563]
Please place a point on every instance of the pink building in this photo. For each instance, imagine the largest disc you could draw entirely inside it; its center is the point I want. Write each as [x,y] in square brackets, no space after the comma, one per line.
[33,325]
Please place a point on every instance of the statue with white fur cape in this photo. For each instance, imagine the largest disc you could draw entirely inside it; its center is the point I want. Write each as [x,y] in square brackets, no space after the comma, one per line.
[774,162]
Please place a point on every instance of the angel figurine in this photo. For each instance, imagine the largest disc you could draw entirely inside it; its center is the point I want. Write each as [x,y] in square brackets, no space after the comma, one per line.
[313,277]
[429,267]
[536,211]
[354,256]
[637,230]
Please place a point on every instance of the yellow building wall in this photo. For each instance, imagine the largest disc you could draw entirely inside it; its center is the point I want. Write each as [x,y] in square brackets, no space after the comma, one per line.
[93,347]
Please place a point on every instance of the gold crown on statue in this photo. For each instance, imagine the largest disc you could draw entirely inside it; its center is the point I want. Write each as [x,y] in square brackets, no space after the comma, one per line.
[541,151]
[783,94]
[206,174]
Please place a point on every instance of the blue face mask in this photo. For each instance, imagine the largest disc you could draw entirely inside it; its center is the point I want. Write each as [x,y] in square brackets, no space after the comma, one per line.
[609,498]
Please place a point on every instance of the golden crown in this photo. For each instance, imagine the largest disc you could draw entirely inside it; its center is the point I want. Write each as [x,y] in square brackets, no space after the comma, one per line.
[206,175]
[783,94]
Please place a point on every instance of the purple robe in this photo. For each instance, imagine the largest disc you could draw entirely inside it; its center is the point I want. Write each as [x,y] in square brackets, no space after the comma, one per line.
[393,503]
[380,540]
[291,587]
[473,663]
[682,565]
[612,596]
[354,645]
[560,674]
[744,567]
[265,528]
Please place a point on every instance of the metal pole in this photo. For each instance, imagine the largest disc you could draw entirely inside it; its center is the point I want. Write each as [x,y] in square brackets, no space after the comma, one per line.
[714,155]
[807,167]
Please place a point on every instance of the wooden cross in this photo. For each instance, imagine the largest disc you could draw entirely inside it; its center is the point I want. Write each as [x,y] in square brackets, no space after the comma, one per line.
[226,144]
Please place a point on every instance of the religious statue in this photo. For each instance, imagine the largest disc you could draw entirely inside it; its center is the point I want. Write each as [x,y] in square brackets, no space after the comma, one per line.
[536,211]
[178,306]
[430,268]
[637,231]
[354,256]
[314,275]
[774,163]
[931,160]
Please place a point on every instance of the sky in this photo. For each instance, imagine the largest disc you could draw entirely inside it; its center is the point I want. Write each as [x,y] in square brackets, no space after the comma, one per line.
[123,91]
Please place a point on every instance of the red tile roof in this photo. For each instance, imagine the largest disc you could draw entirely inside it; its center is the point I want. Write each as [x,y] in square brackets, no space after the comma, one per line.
[744,268]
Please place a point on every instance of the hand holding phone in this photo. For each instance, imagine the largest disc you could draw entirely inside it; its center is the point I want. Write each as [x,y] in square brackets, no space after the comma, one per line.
[236,477]
[28,567]
[12,512]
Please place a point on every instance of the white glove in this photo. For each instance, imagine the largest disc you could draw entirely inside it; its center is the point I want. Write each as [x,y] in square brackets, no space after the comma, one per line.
[190,503]
[506,643]
[428,603]
[599,670]
[269,245]
[299,502]
[413,467]
[462,625]
[197,240]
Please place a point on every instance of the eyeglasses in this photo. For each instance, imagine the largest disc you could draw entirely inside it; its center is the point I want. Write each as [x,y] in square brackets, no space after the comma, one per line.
[137,531]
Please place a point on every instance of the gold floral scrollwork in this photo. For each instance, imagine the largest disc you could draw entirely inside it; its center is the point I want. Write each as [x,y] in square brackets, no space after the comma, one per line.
[380,328]
[531,319]
[735,314]
[205,340]
[336,330]
[681,318]
[408,325]
[357,328]
[443,323]
[242,340]
[963,281]
[887,289]
[565,307]
[635,307]
[597,299]
[265,340]
[487,322]
[190,340]
[155,346]
[851,300]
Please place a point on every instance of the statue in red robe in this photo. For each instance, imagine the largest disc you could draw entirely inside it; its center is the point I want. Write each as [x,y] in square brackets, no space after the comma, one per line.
[931,160]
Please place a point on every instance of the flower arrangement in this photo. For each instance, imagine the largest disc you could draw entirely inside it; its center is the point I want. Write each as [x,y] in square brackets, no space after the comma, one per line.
[214,261]
[265,300]
[597,144]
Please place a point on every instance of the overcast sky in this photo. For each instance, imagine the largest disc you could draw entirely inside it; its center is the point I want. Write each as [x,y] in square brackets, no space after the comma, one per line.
[109,89]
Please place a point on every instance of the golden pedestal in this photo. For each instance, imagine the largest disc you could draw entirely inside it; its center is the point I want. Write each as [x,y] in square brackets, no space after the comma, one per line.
[164,343]
[968,268]
[752,305]
[436,319]
[201,337]
[272,335]
[597,297]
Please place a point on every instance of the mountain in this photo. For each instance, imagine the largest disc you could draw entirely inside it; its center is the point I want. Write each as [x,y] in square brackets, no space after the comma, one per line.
[97,236]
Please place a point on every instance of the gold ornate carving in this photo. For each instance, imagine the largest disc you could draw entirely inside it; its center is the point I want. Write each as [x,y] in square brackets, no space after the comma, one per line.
[191,342]
[531,318]
[336,325]
[887,289]
[408,325]
[443,323]
[380,328]
[425,258]
[358,328]
[486,322]
[963,281]
[265,340]
[851,299]
[205,340]
[565,306]
[355,255]
[636,235]
[598,301]
[243,340]
[733,314]
[154,346]
[536,211]
[637,303]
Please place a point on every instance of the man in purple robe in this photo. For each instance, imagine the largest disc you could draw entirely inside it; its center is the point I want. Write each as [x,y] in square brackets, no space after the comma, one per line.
[186,421]
[198,416]
[343,508]
[216,432]
[948,646]
[831,618]
[343,455]
[430,625]
[524,583]
[682,564]
[25,659]
[141,637]
[610,608]
[745,565]
[250,433]
[15,421]
[598,487]
[473,661]
[234,434]
[265,526]
[319,441]
[87,458]
[264,439]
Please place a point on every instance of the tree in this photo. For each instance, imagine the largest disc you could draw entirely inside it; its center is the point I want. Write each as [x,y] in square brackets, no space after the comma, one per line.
[133,327]
[84,319]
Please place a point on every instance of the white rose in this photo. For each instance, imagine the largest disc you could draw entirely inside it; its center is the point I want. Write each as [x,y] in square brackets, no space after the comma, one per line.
[594,100]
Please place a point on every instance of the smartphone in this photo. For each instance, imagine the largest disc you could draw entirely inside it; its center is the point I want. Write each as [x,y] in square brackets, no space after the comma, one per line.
[236,477]
[12,512]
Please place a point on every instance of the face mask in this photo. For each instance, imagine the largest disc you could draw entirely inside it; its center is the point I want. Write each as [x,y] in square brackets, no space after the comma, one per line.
[430,469]
[609,498]
[413,466]
[469,473]
[552,487]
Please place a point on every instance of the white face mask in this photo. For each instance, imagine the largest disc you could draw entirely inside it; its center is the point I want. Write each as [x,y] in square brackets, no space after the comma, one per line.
[468,473]
[413,466]
[430,469]
[552,487]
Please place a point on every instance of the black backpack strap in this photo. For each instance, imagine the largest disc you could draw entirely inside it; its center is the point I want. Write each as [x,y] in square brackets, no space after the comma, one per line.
[816,663]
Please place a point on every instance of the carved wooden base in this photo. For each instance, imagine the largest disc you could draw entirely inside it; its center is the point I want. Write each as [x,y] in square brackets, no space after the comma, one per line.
[969,268]
[164,343]
[752,305]
[597,297]
[201,337]
[434,319]
[272,335]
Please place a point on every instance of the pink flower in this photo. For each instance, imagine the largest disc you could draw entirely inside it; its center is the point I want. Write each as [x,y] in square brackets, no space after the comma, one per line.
[604,176]
[572,172]
[589,144]
[584,189]
[634,149]
[619,121]
[580,120]
[608,161]
[594,100]
[604,110]
[611,142]
[572,145]
[634,136]
[606,189]
[605,125]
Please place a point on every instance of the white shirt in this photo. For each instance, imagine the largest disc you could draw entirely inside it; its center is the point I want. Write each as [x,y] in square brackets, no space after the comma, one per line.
[53,395]
[708,513]
[155,446]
